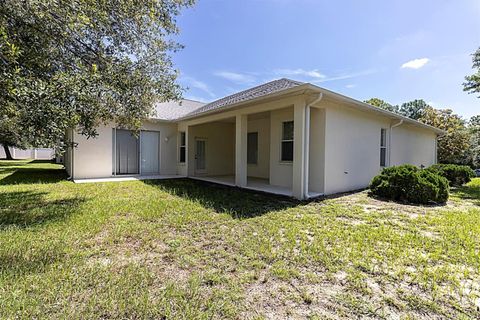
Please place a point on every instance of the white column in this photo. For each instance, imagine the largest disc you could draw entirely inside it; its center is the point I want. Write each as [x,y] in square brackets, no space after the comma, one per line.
[298,184]
[241,151]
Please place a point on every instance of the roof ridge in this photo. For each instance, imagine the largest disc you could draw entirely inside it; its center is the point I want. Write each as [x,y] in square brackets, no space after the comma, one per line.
[247,94]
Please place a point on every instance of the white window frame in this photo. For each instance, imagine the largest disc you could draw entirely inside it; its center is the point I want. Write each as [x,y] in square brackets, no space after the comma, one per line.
[182,146]
[384,146]
[287,140]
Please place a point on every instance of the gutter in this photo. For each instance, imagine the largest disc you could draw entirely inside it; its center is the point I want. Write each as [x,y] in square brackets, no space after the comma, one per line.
[306,162]
[399,123]
[372,108]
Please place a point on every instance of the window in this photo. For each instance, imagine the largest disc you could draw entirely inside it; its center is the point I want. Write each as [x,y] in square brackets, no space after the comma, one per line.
[252,148]
[383,147]
[287,141]
[182,147]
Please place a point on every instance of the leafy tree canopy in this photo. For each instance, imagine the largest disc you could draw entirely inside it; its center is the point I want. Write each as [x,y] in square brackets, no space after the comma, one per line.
[472,82]
[376,102]
[453,147]
[81,63]
[413,109]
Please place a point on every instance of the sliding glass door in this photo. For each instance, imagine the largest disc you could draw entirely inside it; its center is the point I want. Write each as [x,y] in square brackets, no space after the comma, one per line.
[126,152]
[132,155]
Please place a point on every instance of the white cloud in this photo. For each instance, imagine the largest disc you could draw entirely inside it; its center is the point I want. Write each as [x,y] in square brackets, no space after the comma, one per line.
[415,63]
[194,83]
[349,86]
[239,78]
[346,76]
[301,72]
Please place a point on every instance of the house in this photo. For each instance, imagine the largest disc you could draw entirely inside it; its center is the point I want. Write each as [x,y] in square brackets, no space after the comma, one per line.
[284,137]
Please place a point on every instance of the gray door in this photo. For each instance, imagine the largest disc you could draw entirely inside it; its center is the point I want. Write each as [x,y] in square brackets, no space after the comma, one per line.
[200,154]
[150,151]
[126,152]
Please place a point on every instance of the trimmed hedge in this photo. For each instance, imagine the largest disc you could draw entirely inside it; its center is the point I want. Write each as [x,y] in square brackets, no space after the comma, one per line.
[457,175]
[408,183]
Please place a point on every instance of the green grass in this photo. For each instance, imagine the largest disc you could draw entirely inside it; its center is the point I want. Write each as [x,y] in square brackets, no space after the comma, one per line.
[184,249]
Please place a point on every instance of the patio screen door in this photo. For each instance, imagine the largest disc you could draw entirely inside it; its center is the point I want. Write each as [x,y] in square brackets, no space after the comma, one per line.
[149,152]
[200,152]
[126,148]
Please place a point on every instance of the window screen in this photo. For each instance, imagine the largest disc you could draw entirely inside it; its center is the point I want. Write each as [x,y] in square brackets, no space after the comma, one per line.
[383,147]
[182,147]
[287,141]
[252,148]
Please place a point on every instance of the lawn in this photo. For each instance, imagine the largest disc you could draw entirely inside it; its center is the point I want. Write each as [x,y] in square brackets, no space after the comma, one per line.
[183,249]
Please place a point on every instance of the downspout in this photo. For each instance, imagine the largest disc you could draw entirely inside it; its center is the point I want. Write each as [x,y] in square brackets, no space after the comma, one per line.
[72,172]
[307,142]
[399,123]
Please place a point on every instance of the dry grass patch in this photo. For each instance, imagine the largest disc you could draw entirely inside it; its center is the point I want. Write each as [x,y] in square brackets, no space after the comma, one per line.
[188,250]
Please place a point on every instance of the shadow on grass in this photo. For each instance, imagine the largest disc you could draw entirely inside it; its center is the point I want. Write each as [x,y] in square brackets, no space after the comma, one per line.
[25,209]
[28,208]
[17,172]
[239,203]
[468,192]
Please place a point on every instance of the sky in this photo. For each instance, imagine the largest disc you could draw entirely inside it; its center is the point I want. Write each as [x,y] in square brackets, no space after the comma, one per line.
[394,50]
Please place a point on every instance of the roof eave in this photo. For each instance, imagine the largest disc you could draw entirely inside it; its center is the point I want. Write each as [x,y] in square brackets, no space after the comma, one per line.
[375,109]
[301,87]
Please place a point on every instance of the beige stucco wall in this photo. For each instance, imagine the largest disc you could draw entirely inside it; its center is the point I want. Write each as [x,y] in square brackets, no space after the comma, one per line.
[412,145]
[92,158]
[352,147]
[220,147]
[280,172]
[316,180]
[262,168]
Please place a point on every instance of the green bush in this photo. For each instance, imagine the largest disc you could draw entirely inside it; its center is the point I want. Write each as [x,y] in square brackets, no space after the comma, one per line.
[455,174]
[408,183]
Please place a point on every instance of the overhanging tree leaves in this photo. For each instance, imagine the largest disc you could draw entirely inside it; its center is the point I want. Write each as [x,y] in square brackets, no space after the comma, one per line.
[80,63]
[472,84]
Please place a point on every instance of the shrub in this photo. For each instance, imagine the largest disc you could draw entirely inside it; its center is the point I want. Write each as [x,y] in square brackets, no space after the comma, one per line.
[455,174]
[408,183]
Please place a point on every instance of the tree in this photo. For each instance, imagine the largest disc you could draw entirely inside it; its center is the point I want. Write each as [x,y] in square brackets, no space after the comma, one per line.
[474,131]
[472,84]
[376,102]
[453,146]
[413,109]
[77,64]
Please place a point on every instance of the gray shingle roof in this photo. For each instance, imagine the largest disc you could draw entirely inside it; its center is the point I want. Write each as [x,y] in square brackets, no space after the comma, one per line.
[173,110]
[249,94]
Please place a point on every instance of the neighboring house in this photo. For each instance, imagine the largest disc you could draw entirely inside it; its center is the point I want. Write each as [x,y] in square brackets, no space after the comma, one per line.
[283,137]
[32,153]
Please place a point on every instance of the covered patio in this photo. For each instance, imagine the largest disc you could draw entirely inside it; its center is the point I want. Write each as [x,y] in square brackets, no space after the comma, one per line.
[257,184]
[260,147]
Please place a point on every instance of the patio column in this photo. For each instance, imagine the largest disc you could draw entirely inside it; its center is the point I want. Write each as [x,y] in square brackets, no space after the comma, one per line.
[187,152]
[298,181]
[241,150]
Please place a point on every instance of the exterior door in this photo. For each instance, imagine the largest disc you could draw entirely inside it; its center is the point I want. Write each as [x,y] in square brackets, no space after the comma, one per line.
[126,148]
[200,155]
[150,152]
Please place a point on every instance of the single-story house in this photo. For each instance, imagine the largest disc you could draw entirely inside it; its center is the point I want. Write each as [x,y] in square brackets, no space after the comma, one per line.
[284,137]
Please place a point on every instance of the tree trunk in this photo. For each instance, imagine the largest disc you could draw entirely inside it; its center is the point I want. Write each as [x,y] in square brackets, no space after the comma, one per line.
[7,152]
